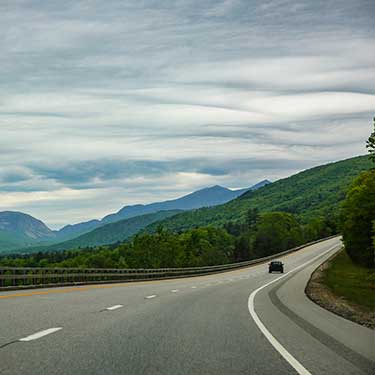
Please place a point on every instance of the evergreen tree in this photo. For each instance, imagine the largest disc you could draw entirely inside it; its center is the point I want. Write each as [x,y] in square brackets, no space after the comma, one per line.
[252,218]
[276,231]
[370,145]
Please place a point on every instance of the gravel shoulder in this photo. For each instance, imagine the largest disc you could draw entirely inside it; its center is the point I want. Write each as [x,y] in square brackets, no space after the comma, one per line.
[320,293]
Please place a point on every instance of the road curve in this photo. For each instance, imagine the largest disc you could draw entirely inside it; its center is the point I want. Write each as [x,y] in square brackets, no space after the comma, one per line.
[200,325]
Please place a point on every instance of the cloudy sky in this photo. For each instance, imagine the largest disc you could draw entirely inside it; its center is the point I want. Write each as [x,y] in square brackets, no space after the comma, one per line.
[107,103]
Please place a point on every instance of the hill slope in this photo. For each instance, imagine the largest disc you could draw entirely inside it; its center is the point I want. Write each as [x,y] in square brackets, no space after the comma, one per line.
[311,193]
[107,234]
[19,229]
[74,230]
[9,242]
[206,197]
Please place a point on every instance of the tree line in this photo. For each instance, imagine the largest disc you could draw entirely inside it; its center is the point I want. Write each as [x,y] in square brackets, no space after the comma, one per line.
[253,236]
[358,214]
[260,235]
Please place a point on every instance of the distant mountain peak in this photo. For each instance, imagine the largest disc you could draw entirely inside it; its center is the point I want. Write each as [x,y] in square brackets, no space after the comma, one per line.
[24,227]
[205,197]
[20,226]
[216,187]
[261,184]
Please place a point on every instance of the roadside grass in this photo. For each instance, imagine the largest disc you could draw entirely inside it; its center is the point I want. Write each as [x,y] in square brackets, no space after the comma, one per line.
[354,283]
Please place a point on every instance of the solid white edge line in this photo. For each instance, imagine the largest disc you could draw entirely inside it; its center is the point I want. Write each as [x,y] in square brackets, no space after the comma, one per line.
[115,307]
[40,334]
[152,296]
[285,354]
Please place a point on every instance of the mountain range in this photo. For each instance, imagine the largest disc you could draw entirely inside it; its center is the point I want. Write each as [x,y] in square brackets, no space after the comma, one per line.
[109,233]
[313,193]
[206,197]
[19,230]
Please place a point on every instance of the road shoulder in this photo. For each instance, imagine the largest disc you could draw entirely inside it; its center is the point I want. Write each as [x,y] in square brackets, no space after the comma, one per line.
[321,341]
[320,293]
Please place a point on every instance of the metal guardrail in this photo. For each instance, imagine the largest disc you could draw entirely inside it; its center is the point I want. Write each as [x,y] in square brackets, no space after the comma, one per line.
[12,278]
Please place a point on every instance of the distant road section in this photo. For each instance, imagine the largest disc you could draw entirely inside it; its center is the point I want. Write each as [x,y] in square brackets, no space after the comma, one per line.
[241,322]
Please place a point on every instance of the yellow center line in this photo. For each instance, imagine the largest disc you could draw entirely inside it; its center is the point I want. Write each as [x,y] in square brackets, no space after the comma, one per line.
[106,286]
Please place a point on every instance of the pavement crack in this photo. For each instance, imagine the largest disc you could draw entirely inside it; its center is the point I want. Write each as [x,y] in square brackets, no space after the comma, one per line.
[8,343]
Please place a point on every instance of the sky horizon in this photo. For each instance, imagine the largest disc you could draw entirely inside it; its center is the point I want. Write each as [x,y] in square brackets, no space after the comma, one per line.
[106,104]
[60,226]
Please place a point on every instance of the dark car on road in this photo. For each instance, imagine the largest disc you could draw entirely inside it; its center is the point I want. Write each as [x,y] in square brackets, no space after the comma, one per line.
[276,265]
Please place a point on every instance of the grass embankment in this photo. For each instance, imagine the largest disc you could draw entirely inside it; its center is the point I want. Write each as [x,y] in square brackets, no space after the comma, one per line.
[354,283]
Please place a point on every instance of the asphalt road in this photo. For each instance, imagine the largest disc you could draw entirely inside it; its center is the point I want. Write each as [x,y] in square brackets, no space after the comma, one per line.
[229,323]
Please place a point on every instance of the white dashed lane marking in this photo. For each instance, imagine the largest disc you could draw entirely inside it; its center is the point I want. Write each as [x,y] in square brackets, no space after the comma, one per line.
[152,296]
[115,307]
[40,334]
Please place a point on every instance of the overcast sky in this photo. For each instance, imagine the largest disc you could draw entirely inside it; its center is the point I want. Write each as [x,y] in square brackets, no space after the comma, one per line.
[107,103]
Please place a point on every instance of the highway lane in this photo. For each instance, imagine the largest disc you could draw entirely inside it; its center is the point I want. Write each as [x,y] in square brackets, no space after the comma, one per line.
[199,325]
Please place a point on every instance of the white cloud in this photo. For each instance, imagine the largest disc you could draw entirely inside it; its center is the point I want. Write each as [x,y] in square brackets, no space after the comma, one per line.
[172,96]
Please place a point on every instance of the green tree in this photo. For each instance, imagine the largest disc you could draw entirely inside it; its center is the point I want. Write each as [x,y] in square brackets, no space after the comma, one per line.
[276,231]
[358,215]
[320,227]
[101,260]
[370,145]
[207,246]
[252,218]
[243,247]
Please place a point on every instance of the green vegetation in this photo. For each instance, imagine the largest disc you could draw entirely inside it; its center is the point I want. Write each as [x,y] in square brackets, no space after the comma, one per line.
[358,216]
[351,273]
[351,281]
[9,242]
[106,234]
[277,230]
[370,145]
[260,235]
[314,193]
[21,230]
[287,213]
[198,247]
[313,196]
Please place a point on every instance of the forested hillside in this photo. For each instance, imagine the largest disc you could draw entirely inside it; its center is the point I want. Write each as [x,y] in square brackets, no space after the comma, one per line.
[316,192]
[8,241]
[358,214]
[207,197]
[18,229]
[107,234]
[289,212]
[259,236]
